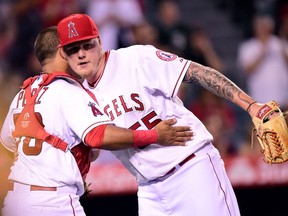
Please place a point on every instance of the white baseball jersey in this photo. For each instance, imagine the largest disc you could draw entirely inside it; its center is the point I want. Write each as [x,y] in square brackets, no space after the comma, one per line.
[137,88]
[68,112]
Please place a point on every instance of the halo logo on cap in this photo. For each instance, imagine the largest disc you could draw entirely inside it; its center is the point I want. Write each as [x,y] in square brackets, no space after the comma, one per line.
[76,27]
[72,30]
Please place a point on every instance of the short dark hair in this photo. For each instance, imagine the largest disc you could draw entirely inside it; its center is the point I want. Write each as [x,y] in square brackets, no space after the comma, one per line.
[46,44]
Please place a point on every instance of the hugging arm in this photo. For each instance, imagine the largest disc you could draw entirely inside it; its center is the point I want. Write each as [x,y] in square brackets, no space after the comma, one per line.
[111,137]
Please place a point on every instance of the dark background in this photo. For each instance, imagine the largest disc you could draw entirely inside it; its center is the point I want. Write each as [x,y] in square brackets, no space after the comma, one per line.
[260,201]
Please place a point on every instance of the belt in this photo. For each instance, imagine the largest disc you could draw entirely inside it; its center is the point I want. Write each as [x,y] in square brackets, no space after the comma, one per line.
[33,187]
[177,166]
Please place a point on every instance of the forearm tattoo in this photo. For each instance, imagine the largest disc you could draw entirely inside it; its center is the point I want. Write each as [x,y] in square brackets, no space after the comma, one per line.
[212,80]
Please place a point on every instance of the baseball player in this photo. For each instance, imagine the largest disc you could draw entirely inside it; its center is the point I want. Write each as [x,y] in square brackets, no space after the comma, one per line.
[46,122]
[137,87]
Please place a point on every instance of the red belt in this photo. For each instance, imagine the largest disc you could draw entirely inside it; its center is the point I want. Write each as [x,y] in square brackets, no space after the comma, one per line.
[33,187]
[180,164]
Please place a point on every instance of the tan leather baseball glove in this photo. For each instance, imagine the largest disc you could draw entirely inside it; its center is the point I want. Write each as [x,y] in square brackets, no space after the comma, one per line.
[272,133]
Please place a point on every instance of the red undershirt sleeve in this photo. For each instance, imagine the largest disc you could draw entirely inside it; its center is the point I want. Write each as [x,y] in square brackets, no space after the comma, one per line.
[94,138]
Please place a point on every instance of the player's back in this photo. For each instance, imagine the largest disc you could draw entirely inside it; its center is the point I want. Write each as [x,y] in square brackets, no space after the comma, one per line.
[39,163]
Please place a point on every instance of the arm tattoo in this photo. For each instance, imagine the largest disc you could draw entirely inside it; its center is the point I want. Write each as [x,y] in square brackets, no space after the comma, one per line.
[212,80]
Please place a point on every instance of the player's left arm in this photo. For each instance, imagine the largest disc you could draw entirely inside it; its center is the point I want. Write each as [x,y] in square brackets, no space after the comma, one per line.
[220,85]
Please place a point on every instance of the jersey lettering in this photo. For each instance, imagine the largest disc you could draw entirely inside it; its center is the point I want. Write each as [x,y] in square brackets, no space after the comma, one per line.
[95,111]
[109,113]
[119,106]
[116,107]
[126,109]
[135,98]
[21,100]
[38,101]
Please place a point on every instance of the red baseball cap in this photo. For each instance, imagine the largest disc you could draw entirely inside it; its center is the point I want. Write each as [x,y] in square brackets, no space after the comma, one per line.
[76,27]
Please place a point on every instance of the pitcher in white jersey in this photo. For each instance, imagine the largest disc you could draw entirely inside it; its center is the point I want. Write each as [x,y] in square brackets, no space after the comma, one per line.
[52,124]
[137,88]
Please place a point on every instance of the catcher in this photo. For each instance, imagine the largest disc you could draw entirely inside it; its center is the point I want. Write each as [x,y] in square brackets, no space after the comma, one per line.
[271,131]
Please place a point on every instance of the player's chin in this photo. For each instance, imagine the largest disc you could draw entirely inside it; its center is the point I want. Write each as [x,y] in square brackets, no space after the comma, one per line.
[83,72]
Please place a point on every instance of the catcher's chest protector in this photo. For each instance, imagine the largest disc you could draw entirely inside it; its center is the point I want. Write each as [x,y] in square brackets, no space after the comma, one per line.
[27,124]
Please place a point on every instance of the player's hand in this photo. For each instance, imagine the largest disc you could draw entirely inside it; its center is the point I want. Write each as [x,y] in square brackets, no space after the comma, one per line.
[173,135]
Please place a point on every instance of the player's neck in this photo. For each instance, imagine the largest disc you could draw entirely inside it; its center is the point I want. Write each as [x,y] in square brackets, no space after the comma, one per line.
[93,82]
[52,65]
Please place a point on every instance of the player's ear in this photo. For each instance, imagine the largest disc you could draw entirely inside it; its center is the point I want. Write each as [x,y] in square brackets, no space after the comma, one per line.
[100,41]
[62,54]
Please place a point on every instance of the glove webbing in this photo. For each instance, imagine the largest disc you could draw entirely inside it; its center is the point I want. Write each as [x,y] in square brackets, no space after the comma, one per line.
[272,136]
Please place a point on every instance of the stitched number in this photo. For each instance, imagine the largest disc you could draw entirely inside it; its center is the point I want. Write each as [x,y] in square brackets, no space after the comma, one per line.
[32,146]
[147,121]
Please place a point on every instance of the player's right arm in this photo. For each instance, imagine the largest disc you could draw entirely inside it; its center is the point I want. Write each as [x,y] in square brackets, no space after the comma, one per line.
[111,137]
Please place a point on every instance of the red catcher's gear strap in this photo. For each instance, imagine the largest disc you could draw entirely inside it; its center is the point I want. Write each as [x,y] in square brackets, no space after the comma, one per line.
[27,123]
